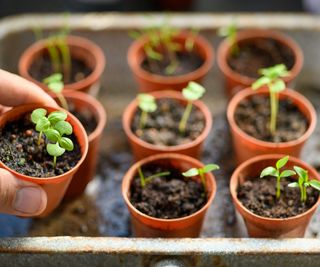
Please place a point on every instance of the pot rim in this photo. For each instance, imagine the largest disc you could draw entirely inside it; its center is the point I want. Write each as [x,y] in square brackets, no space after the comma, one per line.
[98,110]
[225,47]
[200,41]
[133,106]
[92,49]
[287,93]
[245,164]
[129,176]
[70,118]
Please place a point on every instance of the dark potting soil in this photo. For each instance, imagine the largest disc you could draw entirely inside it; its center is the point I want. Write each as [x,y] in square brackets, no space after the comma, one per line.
[188,62]
[169,197]
[262,53]
[162,126]
[253,116]
[42,68]
[19,150]
[86,118]
[259,196]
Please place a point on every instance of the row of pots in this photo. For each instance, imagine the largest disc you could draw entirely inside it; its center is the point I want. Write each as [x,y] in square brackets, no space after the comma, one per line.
[190,226]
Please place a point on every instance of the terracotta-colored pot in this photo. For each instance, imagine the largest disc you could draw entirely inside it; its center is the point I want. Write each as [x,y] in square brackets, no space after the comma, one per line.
[142,149]
[246,146]
[259,226]
[80,48]
[152,82]
[87,170]
[234,81]
[147,226]
[54,186]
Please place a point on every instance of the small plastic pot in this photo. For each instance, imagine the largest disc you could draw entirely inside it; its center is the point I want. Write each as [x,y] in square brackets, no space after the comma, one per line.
[87,170]
[147,226]
[259,226]
[55,186]
[142,149]
[149,82]
[80,48]
[246,146]
[234,81]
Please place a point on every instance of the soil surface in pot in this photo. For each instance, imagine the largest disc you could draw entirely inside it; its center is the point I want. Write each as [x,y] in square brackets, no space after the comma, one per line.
[42,68]
[260,53]
[168,197]
[253,117]
[259,196]
[19,150]
[187,62]
[162,126]
[87,119]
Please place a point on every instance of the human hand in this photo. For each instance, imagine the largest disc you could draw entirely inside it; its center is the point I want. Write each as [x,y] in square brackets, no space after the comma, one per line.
[20,197]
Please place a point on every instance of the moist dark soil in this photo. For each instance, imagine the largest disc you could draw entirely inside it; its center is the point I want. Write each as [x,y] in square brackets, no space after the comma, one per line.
[19,150]
[253,116]
[259,196]
[42,68]
[86,118]
[162,127]
[188,62]
[260,53]
[169,197]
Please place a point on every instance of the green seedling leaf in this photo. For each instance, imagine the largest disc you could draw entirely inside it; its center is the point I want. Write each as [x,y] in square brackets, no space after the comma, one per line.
[193,91]
[147,103]
[287,173]
[56,116]
[315,184]
[56,87]
[293,185]
[269,171]
[53,135]
[151,53]
[134,34]
[37,114]
[66,143]
[43,124]
[277,86]
[63,127]
[55,150]
[260,82]
[191,172]
[302,173]
[56,77]
[282,162]
[210,168]
[276,71]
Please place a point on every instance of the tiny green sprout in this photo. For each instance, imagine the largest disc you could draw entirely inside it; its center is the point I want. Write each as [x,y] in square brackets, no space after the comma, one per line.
[144,180]
[201,172]
[275,172]
[54,127]
[56,85]
[192,92]
[147,104]
[304,182]
[272,78]
[230,32]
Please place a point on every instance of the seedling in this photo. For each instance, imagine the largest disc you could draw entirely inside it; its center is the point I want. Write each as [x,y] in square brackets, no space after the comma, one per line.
[304,182]
[56,85]
[53,127]
[271,77]
[144,180]
[192,92]
[147,104]
[201,172]
[161,43]
[230,32]
[275,172]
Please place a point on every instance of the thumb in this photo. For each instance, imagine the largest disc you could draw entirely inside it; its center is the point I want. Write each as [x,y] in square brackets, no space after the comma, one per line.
[18,197]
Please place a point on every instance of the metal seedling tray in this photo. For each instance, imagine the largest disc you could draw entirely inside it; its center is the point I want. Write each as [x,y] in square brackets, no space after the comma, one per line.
[101,212]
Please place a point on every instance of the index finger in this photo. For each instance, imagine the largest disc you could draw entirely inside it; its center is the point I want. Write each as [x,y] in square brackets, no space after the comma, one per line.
[15,91]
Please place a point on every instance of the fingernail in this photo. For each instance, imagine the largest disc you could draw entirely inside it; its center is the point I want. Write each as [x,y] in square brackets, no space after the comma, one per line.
[28,200]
